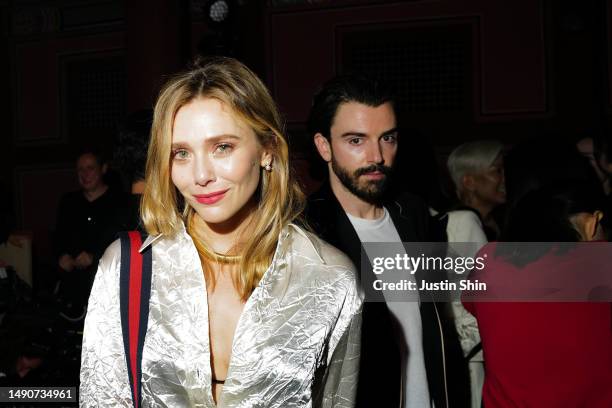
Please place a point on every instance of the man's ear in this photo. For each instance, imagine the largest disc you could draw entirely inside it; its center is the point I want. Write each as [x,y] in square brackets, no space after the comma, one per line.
[323,147]
[104,168]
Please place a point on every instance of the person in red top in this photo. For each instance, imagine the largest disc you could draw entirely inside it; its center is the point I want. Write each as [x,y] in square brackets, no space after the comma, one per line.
[542,353]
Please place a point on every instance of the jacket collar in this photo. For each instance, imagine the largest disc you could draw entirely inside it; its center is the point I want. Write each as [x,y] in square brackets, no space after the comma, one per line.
[149,241]
[326,194]
[152,238]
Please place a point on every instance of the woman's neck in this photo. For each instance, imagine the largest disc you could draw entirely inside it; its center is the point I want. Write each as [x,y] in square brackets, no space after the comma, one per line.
[224,237]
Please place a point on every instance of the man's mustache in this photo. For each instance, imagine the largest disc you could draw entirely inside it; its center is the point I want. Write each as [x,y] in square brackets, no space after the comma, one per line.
[386,170]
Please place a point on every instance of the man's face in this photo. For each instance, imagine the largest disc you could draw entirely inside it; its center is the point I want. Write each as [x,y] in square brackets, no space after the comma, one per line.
[363,148]
[90,172]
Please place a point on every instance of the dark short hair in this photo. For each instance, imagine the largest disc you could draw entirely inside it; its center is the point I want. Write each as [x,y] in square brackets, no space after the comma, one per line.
[353,87]
[543,215]
[96,153]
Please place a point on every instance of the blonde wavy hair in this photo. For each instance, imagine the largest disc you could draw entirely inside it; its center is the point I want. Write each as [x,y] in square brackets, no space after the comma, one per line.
[280,200]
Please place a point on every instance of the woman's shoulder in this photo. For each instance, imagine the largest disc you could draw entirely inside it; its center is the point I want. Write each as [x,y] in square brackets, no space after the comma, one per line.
[110,263]
[321,261]
[318,264]
[113,251]
[310,245]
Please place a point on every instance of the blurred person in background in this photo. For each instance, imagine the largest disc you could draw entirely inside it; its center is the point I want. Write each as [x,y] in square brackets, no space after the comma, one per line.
[83,216]
[130,157]
[549,161]
[477,171]
[546,353]
[595,149]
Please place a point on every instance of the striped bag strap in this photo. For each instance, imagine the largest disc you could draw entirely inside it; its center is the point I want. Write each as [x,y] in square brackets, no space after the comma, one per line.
[135,291]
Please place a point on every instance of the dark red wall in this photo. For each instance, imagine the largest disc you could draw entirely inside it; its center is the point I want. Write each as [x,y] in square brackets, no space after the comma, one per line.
[537,65]
[538,68]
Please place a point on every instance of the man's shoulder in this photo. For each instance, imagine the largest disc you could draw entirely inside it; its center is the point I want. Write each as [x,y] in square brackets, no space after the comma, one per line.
[322,210]
[407,202]
[115,195]
[412,219]
[408,205]
[322,197]
[72,195]
[71,201]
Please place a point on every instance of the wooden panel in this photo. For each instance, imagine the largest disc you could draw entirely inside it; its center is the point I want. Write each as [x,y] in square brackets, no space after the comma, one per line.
[39,189]
[36,94]
[510,69]
[37,80]
[92,96]
[429,64]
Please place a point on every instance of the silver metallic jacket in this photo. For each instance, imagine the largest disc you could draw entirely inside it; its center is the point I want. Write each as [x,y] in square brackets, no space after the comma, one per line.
[296,343]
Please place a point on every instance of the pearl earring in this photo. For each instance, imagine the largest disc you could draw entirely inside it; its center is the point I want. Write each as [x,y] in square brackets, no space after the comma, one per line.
[268,167]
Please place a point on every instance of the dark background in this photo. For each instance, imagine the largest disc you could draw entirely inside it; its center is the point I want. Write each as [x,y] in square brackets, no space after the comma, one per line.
[513,70]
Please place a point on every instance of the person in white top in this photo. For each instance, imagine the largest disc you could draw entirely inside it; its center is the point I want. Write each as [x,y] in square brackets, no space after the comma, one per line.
[477,171]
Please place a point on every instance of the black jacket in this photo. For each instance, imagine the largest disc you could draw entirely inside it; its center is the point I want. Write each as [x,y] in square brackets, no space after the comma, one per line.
[380,375]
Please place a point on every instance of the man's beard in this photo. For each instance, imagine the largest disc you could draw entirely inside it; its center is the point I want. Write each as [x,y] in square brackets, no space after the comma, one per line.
[370,191]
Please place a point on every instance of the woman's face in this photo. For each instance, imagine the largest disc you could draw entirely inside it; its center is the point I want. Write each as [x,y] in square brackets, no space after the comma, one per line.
[490,184]
[216,160]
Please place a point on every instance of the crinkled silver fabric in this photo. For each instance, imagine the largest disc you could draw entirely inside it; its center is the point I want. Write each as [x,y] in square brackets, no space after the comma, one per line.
[296,343]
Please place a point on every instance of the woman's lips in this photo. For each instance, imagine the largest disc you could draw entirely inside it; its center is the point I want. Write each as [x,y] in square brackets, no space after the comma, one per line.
[210,198]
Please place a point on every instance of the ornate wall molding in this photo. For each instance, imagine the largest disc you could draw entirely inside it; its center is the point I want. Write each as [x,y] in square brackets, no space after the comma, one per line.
[39,19]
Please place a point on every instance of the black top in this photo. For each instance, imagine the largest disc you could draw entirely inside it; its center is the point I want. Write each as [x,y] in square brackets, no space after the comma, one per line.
[82,225]
[380,371]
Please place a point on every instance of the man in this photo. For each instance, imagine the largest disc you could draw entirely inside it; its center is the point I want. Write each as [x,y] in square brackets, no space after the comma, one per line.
[83,216]
[355,131]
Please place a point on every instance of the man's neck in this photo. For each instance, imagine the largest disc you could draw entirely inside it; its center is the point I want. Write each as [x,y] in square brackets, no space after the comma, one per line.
[352,204]
[93,195]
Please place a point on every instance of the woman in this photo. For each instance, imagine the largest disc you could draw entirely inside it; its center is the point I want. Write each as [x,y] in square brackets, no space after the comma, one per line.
[546,352]
[477,171]
[246,308]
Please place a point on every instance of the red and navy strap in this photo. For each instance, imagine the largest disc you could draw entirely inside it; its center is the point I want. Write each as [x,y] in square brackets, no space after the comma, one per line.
[135,291]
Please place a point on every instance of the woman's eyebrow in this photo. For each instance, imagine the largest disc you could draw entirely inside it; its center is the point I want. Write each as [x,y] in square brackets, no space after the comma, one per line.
[209,140]
[177,145]
[216,139]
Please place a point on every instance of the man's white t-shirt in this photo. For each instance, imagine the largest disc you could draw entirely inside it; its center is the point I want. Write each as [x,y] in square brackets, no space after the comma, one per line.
[407,315]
